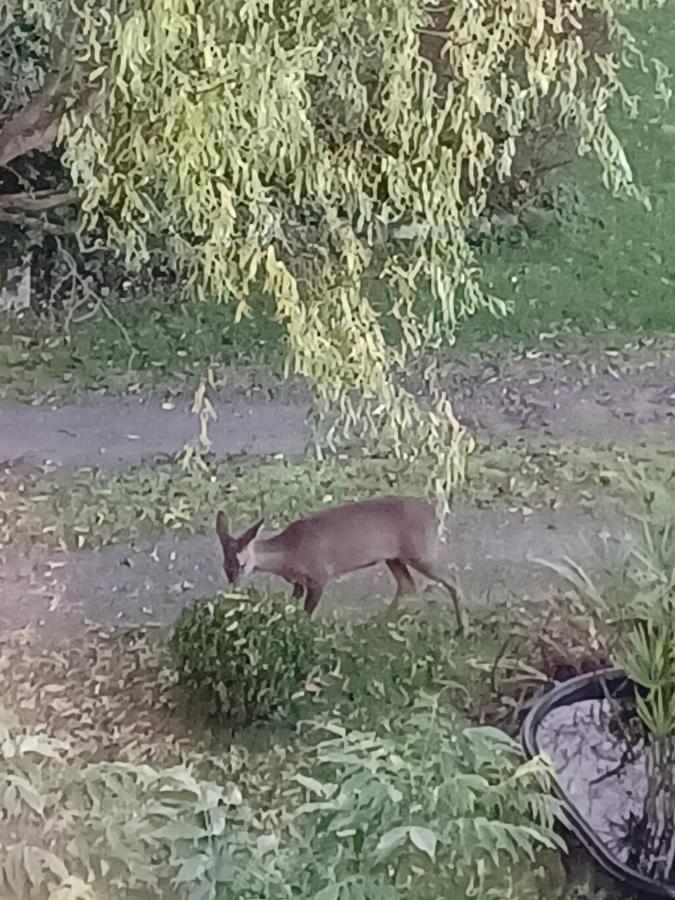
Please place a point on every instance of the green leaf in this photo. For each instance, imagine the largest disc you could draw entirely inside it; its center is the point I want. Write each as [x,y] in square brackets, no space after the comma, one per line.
[330,892]
[73,889]
[316,787]
[490,733]
[28,793]
[35,859]
[425,840]
[192,869]
[393,838]
[177,831]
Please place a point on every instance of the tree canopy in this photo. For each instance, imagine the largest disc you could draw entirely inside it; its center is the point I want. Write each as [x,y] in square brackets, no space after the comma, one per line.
[333,155]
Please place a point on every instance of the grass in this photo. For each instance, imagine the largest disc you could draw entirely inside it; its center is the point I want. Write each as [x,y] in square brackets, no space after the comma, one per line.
[169,343]
[93,508]
[612,268]
[608,273]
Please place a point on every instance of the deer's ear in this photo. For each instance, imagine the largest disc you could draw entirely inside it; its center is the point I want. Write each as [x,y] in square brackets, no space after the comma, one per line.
[249,535]
[221,528]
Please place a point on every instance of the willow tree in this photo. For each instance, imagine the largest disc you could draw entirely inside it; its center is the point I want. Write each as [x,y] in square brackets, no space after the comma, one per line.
[280,147]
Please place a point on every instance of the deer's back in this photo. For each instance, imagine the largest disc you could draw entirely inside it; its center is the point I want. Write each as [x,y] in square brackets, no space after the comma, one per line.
[346,538]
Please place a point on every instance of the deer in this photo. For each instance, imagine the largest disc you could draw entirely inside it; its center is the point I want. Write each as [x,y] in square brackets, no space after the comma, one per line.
[399,531]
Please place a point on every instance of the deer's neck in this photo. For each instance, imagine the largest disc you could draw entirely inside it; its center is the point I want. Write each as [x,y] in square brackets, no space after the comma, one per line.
[267,556]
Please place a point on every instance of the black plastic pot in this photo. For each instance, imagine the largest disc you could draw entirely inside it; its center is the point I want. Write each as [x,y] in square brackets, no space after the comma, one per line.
[594,686]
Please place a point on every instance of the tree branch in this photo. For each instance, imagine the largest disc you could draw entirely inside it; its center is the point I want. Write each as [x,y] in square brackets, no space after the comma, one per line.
[33,127]
[24,221]
[37,200]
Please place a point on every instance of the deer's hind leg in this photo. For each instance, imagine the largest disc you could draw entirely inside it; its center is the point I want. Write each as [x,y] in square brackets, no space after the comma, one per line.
[312,597]
[404,582]
[431,570]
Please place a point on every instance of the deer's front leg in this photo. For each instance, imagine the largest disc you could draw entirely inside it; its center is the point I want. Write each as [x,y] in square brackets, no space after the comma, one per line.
[297,591]
[314,592]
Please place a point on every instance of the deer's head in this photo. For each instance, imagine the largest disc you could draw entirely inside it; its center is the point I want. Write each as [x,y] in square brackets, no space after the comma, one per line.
[236,550]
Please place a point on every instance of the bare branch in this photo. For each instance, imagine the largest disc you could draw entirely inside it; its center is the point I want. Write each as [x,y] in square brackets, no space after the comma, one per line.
[88,295]
[24,221]
[37,200]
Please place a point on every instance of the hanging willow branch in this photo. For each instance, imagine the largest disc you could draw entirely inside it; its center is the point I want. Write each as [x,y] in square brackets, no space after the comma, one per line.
[280,147]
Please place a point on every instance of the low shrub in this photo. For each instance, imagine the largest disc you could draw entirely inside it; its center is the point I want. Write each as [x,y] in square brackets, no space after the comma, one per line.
[428,807]
[245,657]
[374,668]
[425,807]
[76,829]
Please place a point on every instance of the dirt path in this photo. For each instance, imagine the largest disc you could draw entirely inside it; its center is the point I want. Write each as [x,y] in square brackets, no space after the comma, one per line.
[614,397]
[119,432]
[598,402]
[490,552]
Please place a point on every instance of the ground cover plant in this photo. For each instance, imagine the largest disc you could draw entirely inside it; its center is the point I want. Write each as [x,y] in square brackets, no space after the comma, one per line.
[64,766]
[331,791]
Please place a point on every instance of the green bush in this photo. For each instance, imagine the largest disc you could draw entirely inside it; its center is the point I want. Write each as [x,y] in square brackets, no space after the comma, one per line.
[420,807]
[425,807]
[246,657]
[77,829]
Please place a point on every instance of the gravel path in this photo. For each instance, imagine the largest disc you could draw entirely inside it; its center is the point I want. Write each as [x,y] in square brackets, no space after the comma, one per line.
[119,432]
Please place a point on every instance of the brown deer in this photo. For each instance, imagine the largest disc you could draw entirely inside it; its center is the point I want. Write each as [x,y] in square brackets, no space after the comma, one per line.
[400,531]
